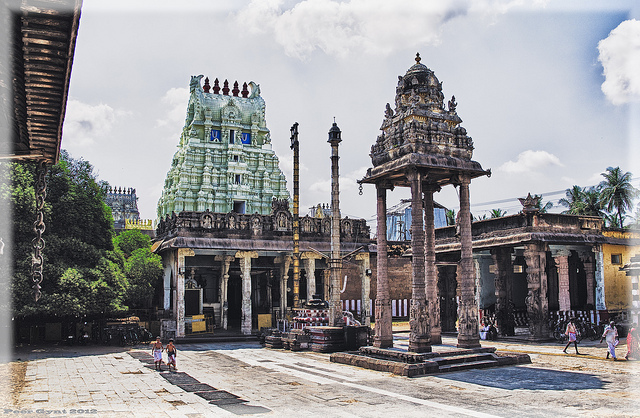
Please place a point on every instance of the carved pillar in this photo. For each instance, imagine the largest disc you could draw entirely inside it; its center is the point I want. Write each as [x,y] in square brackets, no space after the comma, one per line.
[561,257]
[468,332]
[599,278]
[505,322]
[588,262]
[284,278]
[365,268]
[383,332]
[431,271]
[536,300]
[310,270]
[419,338]
[245,268]
[224,285]
[179,314]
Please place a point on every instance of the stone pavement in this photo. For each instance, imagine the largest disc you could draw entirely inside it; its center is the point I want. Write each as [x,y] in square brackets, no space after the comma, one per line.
[245,379]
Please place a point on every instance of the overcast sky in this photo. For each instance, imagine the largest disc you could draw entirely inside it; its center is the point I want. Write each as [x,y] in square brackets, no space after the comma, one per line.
[549,92]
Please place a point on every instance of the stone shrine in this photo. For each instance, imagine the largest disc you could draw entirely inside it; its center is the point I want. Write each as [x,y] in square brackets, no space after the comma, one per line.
[424,147]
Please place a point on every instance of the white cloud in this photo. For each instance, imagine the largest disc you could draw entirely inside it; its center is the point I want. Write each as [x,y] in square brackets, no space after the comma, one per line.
[340,28]
[530,161]
[620,58]
[84,123]
[175,101]
[348,182]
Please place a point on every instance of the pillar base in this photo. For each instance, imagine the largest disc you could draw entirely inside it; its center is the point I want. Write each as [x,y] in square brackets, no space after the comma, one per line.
[436,339]
[422,345]
[382,343]
[471,343]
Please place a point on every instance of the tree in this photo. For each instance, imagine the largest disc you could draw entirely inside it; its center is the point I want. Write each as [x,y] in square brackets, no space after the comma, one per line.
[144,273]
[544,208]
[617,192]
[130,240]
[79,239]
[582,201]
[451,217]
[497,213]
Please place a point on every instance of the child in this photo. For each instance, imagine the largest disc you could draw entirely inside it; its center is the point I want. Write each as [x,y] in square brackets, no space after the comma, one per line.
[171,355]
[156,349]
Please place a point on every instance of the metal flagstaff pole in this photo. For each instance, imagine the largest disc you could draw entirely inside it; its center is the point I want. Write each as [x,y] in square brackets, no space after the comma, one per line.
[296,215]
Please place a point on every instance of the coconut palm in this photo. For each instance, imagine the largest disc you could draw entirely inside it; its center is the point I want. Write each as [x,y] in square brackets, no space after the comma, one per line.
[582,201]
[451,216]
[617,193]
[497,213]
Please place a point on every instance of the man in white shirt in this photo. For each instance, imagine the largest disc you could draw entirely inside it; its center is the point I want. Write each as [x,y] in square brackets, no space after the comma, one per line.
[611,335]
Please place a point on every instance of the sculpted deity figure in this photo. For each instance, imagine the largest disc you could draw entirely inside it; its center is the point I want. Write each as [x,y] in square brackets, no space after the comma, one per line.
[388,113]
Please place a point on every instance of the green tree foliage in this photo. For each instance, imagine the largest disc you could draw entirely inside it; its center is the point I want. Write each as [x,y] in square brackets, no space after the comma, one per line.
[78,236]
[617,193]
[582,201]
[451,217]
[130,240]
[144,271]
[497,213]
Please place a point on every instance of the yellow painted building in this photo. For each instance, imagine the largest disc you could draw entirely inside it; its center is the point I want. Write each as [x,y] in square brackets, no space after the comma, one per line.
[620,247]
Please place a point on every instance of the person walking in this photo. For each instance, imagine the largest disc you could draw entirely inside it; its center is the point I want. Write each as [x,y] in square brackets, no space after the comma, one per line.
[611,335]
[572,333]
[156,349]
[171,355]
[633,348]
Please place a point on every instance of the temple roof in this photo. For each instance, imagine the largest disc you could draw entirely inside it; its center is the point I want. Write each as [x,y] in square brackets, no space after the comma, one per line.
[42,37]
[421,133]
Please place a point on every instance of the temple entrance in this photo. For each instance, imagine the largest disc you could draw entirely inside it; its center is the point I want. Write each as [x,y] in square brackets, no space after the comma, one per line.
[447,286]
[234,299]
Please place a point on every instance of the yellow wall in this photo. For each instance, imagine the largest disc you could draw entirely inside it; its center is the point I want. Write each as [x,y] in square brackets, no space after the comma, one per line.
[617,286]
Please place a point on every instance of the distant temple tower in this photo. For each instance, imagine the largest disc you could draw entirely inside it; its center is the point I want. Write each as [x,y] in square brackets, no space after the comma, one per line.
[224,161]
[124,206]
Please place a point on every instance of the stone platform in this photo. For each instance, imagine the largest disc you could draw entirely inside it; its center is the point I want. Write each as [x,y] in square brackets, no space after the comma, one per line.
[446,359]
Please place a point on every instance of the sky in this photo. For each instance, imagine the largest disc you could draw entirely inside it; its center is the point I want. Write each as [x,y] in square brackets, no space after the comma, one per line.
[548,90]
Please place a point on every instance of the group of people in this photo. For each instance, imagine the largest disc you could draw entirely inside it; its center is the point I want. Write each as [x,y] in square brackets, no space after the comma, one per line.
[157,348]
[610,335]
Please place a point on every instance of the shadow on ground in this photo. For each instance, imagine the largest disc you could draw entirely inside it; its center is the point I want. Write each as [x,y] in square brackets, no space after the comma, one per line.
[527,378]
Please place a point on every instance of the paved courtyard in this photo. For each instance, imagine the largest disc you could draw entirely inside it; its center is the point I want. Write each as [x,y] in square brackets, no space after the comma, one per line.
[230,379]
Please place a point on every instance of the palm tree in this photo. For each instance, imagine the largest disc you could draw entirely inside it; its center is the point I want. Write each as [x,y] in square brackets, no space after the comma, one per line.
[582,201]
[497,213]
[617,192]
[574,200]
[544,208]
[612,220]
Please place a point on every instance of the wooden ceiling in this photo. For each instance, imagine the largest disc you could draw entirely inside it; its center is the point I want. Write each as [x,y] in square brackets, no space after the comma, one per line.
[43,37]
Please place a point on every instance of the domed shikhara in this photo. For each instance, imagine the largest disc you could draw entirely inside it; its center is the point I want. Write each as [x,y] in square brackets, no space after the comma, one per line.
[421,131]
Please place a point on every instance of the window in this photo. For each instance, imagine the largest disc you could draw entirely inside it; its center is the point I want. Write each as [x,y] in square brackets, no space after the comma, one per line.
[232,136]
[616,258]
[238,179]
[236,158]
[239,207]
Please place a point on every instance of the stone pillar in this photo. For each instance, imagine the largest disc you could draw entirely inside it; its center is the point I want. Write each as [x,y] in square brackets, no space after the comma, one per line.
[365,275]
[505,322]
[225,261]
[284,278]
[179,314]
[383,329]
[561,257]
[587,258]
[310,269]
[599,278]
[245,268]
[431,271]
[420,336]
[536,300]
[468,332]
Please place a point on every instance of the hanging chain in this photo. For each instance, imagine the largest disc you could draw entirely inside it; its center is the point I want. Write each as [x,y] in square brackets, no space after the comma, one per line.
[360,189]
[38,228]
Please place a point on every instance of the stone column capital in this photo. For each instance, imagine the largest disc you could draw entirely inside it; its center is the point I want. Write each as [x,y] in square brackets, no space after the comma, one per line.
[247,254]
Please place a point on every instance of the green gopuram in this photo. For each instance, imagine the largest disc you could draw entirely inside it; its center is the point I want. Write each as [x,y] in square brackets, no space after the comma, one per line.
[224,161]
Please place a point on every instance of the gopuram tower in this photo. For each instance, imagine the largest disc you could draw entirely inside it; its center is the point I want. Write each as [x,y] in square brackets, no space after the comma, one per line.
[224,161]
[423,147]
